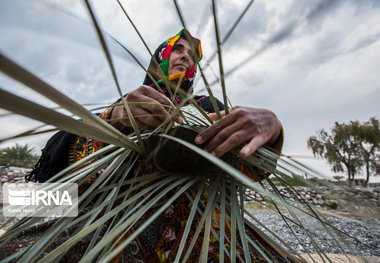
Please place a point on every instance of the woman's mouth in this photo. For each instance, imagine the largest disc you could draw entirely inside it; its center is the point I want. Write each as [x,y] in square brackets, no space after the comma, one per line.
[181,67]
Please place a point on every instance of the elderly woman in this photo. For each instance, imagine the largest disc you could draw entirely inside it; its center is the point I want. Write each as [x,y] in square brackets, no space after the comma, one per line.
[255,127]
[175,63]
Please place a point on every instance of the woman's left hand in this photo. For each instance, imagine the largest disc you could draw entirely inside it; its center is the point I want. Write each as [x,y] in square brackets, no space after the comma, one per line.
[242,124]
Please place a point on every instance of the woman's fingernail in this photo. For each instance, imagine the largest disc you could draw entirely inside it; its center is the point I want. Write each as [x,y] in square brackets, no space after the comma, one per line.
[179,120]
[213,154]
[198,140]
[245,151]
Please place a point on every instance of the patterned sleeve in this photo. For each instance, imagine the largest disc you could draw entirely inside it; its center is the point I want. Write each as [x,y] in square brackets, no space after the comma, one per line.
[83,146]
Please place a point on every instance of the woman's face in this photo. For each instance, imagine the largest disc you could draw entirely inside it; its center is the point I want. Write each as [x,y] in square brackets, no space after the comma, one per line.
[180,58]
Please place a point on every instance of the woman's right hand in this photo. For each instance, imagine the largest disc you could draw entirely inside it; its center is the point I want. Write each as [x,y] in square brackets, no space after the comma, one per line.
[148,115]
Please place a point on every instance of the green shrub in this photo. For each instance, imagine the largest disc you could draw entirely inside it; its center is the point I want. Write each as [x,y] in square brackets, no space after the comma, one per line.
[333,205]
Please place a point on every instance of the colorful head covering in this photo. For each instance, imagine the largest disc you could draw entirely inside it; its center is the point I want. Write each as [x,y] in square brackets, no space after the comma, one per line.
[162,56]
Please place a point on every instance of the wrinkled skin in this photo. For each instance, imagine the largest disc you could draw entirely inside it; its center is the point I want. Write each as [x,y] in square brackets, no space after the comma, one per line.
[180,57]
[147,116]
[256,127]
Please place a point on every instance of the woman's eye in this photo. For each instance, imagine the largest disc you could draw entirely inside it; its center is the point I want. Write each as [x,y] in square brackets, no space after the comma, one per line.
[191,56]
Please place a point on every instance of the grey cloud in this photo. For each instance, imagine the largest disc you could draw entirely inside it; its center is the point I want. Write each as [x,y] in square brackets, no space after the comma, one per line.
[49,23]
[321,9]
[245,35]
[285,32]
[74,72]
[58,47]
[364,4]
[365,42]
[204,20]
[254,23]
[278,80]
[253,29]
[312,12]
[323,50]
[333,42]
[45,20]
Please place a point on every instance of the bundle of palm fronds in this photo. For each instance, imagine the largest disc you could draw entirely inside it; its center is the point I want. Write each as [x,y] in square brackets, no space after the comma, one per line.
[145,175]
[142,179]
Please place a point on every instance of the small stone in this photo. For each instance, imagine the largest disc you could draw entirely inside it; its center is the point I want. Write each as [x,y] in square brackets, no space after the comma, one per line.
[308,197]
[315,201]
[342,202]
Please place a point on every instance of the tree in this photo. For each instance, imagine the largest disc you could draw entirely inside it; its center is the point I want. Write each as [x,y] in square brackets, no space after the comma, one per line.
[369,135]
[19,156]
[340,148]
[350,146]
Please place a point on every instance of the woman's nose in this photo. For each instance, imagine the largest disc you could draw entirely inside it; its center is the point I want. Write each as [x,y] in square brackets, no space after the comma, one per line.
[185,56]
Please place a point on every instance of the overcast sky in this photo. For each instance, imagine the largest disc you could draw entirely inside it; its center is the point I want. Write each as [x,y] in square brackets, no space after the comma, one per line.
[311,62]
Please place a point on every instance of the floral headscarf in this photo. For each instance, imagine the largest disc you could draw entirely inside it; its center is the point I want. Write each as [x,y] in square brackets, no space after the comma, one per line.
[162,55]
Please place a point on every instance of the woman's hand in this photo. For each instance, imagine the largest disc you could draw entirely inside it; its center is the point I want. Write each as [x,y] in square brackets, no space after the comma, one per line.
[242,124]
[153,109]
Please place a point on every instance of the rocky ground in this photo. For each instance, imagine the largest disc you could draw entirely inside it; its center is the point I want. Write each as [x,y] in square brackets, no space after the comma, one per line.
[366,228]
[323,197]
[366,232]
[359,206]
[13,174]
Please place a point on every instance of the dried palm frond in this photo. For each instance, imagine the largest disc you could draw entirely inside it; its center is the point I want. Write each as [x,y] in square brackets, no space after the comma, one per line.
[148,173]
